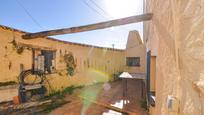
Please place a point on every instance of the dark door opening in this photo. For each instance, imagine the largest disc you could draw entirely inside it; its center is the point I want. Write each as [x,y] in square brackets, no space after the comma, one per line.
[48,60]
[150,94]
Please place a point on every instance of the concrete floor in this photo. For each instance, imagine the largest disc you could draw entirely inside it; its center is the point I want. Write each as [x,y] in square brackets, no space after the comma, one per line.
[121,94]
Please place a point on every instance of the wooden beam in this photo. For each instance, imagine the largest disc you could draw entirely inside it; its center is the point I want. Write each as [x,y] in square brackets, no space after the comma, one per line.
[101,25]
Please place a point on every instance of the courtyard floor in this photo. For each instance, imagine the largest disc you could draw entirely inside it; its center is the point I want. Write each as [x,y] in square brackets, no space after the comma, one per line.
[114,98]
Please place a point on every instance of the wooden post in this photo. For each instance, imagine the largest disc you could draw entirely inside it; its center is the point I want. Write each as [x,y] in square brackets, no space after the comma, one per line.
[101,25]
[33,60]
[21,68]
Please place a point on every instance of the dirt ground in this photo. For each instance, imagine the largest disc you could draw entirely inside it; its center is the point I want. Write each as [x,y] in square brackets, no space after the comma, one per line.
[95,99]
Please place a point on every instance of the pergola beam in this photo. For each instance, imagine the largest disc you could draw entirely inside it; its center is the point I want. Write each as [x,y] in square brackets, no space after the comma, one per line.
[101,25]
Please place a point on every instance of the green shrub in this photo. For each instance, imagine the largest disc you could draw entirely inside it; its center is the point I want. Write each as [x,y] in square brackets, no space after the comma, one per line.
[143,104]
[61,94]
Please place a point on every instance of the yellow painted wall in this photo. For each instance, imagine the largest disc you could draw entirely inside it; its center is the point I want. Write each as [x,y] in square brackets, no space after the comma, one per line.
[103,62]
[135,48]
[175,36]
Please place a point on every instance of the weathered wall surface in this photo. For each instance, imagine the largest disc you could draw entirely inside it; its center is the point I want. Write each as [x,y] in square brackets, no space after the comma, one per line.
[176,36]
[102,62]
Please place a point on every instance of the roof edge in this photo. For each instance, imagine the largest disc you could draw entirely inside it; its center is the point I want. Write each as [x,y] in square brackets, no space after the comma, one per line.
[54,39]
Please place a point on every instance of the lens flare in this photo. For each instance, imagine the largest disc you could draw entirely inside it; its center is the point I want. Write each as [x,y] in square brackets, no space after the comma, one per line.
[89,94]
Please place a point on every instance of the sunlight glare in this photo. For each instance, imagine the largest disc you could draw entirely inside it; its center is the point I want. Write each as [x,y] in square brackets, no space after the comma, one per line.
[123,8]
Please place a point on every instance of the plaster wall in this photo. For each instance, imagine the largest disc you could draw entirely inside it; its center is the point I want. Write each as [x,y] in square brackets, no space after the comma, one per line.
[175,35]
[103,62]
[135,48]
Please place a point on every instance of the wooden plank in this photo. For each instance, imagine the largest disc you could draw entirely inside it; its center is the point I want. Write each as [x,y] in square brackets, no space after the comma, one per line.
[101,25]
[31,87]
[32,104]
[15,108]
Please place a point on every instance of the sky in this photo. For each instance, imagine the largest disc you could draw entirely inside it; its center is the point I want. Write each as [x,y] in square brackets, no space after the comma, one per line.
[40,15]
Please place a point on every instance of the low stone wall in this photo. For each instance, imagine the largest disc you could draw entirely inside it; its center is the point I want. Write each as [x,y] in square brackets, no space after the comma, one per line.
[8,92]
